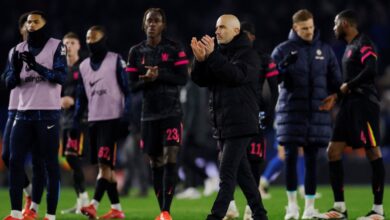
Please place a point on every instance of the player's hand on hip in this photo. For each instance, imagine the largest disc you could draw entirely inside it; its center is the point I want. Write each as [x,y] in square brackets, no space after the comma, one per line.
[344,88]
[67,102]
[328,103]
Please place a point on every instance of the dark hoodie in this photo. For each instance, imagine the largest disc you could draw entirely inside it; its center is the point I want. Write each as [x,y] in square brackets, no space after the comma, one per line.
[314,76]
[231,73]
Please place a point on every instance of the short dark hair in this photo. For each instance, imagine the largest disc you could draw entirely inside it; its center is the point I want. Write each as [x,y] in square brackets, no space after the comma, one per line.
[158,10]
[248,27]
[301,15]
[41,13]
[99,28]
[350,16]
[22,19]
[71,35]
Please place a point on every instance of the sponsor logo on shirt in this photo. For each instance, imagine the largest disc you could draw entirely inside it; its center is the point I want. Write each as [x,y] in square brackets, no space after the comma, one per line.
[93,83]
[99,92]
[35,79]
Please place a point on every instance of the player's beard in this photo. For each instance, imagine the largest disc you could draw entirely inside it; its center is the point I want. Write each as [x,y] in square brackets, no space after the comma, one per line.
[340,34]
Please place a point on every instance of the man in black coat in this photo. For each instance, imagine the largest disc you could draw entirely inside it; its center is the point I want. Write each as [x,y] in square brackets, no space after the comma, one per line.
[230,72]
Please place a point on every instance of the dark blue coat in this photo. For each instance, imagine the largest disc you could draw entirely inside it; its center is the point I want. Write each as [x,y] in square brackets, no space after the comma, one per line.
[314,76]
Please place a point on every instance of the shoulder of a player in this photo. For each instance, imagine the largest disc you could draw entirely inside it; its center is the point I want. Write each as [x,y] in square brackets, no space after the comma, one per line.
[364,45]
[172,44]
[364,40]
[84,61]
[285,47]
[264,57]
[135,48]
[11,53]
[11,50]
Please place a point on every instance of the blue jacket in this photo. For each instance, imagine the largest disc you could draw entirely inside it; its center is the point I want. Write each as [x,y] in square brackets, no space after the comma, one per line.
[314,76]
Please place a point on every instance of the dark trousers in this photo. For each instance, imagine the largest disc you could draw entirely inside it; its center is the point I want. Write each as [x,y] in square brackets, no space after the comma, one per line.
[45,136]
[38,178]
[234,167]
[5,154]
[310,155]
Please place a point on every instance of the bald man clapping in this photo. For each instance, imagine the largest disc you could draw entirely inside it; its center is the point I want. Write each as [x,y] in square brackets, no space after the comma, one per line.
[230,72]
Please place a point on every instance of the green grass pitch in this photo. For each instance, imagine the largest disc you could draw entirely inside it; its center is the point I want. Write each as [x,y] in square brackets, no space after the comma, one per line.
[359,201]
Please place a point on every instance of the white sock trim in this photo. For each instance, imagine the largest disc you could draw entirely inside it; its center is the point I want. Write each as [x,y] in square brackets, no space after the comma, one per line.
[50,217]
[83,195]
[340,206]
[378,209]
[292,198]
[28,190]
[16,214]
[95,203]
[34,206]
[117,206]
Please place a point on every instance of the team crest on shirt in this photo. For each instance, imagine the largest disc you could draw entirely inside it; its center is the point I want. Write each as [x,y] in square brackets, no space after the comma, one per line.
[164,57]
[319,55]
[75,75]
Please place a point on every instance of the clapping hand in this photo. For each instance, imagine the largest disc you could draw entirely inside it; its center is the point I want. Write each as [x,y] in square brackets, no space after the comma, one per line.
[208,43]
[29,59]
[198,49]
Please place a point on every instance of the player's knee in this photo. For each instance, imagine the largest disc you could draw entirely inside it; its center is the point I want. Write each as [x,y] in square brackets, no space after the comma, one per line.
[104,167]
[157,161]
[281,153]
[333,153]
[170,154]
[71,159]
[301,151]
[105,172]
[373,153]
